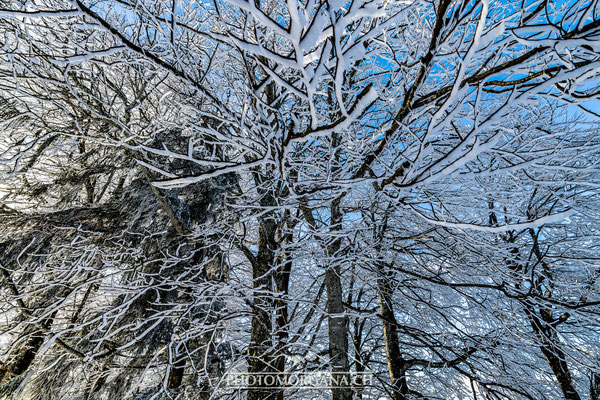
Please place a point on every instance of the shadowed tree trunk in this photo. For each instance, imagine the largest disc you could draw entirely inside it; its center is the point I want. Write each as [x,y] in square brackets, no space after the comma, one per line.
[25,356]
[544,325]
[541,318]
[395,362]
[261,334]
[555,356]
[338,322]
[595,386]
[281,304]
[35,334]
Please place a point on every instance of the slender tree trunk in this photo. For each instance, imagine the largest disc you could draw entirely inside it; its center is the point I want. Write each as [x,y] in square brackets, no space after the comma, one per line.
[262,343]
[176,373]
[281,320]
[21,361]
[338,339]
[357,343]
[555,356]
[541,323]
[544,326]
[595,386]
[96,382]
[395,361]
[261,334]
[338,322]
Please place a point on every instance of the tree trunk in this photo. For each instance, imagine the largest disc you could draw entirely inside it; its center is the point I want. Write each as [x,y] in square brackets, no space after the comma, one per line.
[21,361]
[176,373]
[595,386]
[338,339]
[281,320]
[544,326]
[261,334]
[338,322]
[395,362]
[554,355]
[555,358]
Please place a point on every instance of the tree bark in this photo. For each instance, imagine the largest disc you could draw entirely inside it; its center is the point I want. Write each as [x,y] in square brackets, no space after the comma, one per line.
[395,361]
[544,326]
[281,304]
[338,322]
[554,355]
[338,339]
[261,333]
[176,373]
[595,386]
[25,356]
[20,362]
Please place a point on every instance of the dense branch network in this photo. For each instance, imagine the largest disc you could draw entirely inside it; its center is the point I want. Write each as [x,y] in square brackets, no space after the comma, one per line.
[402,188]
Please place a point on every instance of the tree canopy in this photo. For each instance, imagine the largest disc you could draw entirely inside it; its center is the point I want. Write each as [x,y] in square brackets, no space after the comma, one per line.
[405,188]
